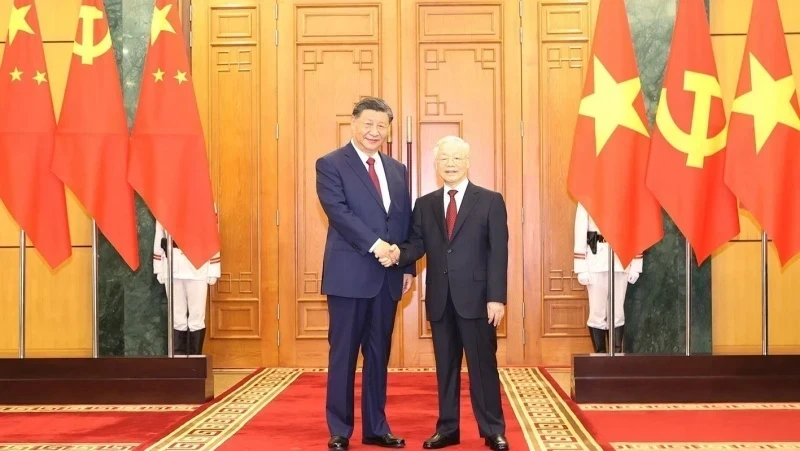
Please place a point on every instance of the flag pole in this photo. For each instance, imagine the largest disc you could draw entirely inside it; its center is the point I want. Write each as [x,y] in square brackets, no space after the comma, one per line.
[688,298]
[95,334]
[764,296]
[21,315]
[170,294]
[611,323]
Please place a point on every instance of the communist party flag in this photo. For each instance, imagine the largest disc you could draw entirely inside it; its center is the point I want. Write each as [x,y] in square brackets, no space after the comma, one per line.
[91,151]
[687,153]
[609,152]
[33,195]
[763,161]
[168,164]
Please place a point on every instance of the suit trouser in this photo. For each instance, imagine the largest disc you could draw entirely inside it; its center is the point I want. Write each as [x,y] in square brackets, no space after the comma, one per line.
[367,323]
[598,299]
[478,340]
[189,304]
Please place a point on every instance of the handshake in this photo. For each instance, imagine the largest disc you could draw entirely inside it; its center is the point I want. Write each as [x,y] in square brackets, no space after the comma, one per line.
[387,254]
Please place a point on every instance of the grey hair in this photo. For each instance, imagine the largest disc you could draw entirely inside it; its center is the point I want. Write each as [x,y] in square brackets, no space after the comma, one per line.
[455,140]
[374,104]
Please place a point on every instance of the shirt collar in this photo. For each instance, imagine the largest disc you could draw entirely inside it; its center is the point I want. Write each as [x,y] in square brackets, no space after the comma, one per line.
[363,155]
[461,187]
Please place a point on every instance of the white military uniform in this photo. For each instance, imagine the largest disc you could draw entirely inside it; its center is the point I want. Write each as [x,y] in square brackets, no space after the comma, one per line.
[191,284]
[593,269]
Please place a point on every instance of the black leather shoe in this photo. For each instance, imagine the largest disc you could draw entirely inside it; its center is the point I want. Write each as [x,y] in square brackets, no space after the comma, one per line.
[387,441]
[440,441]
[338,442]
[497,442]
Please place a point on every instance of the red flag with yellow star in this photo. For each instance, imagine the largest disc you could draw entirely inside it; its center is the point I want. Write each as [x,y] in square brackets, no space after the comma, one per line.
[91,151]
[687,154]
[168,164]
[33,195]
[609,152]
[763,162]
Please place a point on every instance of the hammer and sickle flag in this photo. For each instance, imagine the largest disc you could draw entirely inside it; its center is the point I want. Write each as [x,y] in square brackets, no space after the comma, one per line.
[33,195]
[687,153]
[763,162]
[611,144]
[92,140]
[168,165]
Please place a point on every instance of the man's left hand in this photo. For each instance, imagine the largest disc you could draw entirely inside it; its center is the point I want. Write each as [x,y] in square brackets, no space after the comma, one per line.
[407,279]
[496,311]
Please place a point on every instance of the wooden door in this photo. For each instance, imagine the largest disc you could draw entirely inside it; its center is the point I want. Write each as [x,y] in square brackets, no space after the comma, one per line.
[330,55]
[461,76]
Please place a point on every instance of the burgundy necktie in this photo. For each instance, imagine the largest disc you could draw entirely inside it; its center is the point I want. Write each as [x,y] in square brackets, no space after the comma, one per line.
[450,218]
[374,176]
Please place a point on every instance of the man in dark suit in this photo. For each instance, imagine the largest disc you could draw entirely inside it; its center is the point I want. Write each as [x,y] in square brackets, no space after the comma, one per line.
[463,230]
[364,196]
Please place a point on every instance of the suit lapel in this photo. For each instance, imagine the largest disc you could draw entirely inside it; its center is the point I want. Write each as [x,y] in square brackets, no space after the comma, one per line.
[438,210]
[395,182]
[469,200]
[358,167]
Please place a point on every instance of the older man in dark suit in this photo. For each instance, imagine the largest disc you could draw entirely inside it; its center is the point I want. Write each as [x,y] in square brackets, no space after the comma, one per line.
[463,231]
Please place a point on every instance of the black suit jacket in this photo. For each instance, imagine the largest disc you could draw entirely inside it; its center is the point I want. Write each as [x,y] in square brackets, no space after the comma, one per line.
[473,265]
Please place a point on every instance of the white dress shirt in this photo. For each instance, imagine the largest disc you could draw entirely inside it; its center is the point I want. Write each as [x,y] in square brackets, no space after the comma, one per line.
[461,187]
[387,201]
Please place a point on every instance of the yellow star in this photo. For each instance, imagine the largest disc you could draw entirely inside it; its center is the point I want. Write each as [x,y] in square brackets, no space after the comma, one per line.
[611,105]
[160,23]
[159,75]
[181,77]
[40,77]
[16,75]
[769,102]
[17,22]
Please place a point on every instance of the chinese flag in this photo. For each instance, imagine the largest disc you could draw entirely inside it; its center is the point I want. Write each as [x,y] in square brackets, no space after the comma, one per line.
[687,155]
[91,152]
[33,195]
[763,162]
[609,152]
[168,164]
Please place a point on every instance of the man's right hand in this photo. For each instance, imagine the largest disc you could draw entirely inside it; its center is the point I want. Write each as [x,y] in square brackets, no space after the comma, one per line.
[392,257]
[161,277]
[382,249]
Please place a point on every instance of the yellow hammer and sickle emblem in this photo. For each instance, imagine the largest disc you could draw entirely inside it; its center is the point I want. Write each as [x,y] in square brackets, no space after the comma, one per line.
[87,49]
[696,144]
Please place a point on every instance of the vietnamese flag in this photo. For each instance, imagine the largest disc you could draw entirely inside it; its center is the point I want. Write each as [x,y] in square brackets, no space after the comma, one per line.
[33,195]
[91,152]
[687,154]
[611,144]
[763,162]
[168,164]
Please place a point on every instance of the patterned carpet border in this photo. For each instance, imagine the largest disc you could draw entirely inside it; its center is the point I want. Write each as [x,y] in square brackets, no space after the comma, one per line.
[721,406]
[67,447]
[705,446]
[96,408]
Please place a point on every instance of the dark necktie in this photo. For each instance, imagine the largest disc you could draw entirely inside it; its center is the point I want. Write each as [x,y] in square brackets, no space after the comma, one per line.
[374,176]
[450,218]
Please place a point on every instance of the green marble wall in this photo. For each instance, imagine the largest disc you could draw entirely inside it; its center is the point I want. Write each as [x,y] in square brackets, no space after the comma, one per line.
[132,305]
[655,307]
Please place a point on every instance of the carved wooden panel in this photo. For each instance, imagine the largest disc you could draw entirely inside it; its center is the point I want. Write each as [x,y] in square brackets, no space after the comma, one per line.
[234,151]
[338,24]
[565,30]
[459,23]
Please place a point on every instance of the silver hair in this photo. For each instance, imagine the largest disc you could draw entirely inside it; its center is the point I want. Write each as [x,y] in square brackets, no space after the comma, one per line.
[455,140]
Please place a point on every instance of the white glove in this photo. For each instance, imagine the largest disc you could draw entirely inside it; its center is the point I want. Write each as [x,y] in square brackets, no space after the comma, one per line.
[633,277]
[211,280]
[583,278]
[162,278]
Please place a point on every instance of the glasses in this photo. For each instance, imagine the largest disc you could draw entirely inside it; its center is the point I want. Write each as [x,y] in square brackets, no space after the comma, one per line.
[456,160]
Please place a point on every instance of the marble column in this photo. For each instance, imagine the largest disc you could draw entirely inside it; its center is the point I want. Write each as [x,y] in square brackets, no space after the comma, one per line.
[655,307]
[132,303]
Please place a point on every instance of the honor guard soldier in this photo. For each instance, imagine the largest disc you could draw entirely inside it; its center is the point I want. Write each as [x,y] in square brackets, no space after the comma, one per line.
[591,266]
[190,292]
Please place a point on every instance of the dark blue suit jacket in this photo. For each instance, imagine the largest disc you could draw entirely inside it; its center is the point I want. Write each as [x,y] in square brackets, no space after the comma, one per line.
[356,219]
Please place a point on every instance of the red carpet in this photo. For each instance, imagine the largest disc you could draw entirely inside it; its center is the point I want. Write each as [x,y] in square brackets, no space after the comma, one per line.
[295,420]
[735,425]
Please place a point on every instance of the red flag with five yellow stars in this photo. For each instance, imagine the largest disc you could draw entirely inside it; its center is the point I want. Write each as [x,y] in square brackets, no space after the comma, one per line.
[609,152]
[168,164]
[763,162]
[33,195]
[687,153]
[91,152]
